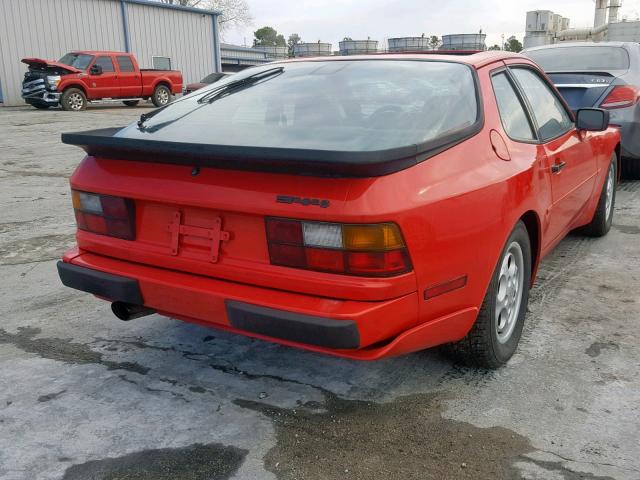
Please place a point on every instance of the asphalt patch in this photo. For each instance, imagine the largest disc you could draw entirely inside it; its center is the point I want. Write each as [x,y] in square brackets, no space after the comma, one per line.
[63,350]
[407,438]
[194,462]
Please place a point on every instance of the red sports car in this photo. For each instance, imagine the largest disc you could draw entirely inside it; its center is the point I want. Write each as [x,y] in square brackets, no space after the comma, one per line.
[358,206]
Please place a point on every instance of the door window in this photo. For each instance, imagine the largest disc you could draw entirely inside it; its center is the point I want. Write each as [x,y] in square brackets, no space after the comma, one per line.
[551,116]
[125,64]
[514,119]
[106,63]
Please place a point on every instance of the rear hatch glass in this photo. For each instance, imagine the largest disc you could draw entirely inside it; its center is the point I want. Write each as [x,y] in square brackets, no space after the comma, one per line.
[346,106]
[581,59]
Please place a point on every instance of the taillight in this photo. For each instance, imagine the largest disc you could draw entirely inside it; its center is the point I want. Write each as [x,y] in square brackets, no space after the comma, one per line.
[375,250]
[104,214]
[620,97]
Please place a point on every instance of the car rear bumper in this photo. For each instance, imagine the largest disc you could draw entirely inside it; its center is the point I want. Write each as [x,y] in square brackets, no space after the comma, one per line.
[354,329]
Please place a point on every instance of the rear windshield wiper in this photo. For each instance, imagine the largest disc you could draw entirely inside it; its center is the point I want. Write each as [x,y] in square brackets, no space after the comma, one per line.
[213,95]
[238,85]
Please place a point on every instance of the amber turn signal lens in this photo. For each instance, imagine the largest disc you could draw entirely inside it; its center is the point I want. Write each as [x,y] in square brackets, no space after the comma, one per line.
[378,237]
[75,198]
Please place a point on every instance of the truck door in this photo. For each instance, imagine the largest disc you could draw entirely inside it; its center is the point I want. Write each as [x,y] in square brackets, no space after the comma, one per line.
[105,84]
[129,79]
[572,164]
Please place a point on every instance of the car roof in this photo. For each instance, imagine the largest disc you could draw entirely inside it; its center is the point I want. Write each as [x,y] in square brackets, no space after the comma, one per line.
[475,60]
[580,44]
[99,52]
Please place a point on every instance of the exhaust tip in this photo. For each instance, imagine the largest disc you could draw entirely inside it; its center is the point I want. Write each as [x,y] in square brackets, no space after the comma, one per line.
[128,311]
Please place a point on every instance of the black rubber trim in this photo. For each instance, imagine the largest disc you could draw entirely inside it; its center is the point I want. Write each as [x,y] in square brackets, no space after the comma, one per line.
[318,331]
[113,287]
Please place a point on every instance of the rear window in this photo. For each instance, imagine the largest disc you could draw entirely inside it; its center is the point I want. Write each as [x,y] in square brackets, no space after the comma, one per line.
[581,59]
[125,64]
[355,105]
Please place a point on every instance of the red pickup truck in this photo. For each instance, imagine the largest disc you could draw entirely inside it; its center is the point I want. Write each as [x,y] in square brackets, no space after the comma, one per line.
[87,76]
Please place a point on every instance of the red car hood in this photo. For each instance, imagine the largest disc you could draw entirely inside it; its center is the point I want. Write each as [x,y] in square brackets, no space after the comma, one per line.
[40,63]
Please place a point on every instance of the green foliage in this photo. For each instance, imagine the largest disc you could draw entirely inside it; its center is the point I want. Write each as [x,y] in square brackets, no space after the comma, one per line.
[269,36]
[513,45]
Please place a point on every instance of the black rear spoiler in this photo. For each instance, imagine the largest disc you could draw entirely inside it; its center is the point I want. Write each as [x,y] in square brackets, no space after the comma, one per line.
[325,163]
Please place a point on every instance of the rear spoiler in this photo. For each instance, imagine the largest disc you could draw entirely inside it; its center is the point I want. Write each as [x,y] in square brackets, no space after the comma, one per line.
[324,163]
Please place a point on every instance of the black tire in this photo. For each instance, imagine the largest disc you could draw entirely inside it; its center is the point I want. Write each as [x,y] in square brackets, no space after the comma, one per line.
[73,100]
[602,219]
[131,103]
[483,347]
[161,96]
[630,168]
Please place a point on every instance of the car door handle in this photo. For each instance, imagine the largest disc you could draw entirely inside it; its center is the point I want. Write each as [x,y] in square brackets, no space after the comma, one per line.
[556,168]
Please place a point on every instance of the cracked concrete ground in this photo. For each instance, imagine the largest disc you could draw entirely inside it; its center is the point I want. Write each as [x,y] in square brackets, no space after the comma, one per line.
[85,396]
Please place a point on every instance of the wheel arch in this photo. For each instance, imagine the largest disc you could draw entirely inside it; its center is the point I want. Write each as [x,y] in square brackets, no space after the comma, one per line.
[78,86]
[618,151]
[531,221]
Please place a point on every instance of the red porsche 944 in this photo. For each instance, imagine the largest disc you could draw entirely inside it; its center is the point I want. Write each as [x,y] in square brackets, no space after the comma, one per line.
[358,206]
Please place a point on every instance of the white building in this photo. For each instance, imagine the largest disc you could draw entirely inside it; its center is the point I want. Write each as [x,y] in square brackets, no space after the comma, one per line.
[159,35]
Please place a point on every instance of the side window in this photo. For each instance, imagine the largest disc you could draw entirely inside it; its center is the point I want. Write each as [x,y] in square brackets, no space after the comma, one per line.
[125,64]
[550,114]
[514,119]
[161,63]
[106,63]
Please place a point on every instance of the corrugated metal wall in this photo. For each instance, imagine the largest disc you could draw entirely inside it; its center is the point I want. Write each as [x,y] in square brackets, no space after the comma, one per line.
[49,29]
[185,37]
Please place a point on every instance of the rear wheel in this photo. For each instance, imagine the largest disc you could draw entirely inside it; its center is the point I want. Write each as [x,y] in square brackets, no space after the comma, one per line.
[131,103]
[161,96]
[602,219]
[631,168]
[73,100]
[494,337]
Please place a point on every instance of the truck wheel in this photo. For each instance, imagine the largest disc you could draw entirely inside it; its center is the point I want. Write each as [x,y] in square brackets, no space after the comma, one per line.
[601,223]
[74,100]
[494,337]
[131,103]
[161,96]
[631,168]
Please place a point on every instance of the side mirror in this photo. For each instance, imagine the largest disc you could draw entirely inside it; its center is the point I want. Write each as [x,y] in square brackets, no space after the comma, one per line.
[96,70]
[592,119]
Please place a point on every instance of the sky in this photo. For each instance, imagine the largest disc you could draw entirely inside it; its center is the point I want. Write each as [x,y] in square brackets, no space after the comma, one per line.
[332,20]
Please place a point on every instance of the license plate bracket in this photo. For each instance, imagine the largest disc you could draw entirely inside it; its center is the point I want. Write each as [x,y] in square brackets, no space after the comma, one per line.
[215,234]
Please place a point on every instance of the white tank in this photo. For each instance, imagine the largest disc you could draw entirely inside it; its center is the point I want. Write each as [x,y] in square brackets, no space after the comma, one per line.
[318,49]
[408,44]
[358,47]
[464,41]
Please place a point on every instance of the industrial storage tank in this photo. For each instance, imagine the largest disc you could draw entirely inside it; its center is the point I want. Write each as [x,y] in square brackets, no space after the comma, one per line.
[358,47]
[273,52]
[464,41]
[409,44]
[318,49]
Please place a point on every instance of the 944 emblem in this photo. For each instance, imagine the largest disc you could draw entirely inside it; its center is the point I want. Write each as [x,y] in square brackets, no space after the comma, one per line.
[302,201]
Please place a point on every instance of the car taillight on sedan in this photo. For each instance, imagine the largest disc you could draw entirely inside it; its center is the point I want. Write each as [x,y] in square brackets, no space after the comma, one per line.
[104,214]
[373,250]
[621,96]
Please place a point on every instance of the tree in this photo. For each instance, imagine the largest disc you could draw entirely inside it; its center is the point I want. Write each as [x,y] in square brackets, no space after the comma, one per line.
[269,36]
[235,13]
[434,42]
[495,47]
[294,39]
[512,44]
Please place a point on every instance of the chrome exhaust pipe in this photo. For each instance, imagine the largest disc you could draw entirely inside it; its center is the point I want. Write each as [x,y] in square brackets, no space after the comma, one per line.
[128,311]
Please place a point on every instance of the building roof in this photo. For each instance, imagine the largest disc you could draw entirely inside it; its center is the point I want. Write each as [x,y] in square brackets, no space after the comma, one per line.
[158,4]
